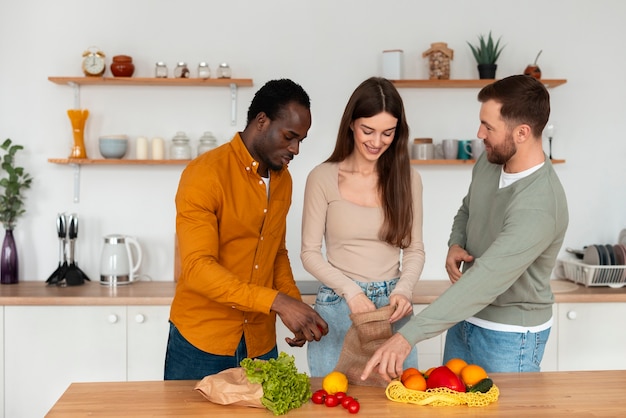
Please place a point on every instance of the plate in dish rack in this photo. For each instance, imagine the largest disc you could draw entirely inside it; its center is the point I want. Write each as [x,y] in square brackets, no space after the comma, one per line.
[622,237]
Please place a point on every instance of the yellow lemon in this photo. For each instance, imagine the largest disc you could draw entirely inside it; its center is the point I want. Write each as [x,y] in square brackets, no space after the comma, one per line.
[335,382]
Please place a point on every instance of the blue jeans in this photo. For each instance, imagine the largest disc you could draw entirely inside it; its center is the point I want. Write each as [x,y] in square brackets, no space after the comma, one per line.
[183,361]
[496,351]
[323,355]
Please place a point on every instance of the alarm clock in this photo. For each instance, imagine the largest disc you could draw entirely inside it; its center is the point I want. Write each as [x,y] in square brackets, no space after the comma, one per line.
[93,62]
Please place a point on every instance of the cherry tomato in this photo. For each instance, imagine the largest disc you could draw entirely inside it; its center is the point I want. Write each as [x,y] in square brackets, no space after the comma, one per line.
[319,396]
[354,406]
[346,401]
[331,401]
[340,396]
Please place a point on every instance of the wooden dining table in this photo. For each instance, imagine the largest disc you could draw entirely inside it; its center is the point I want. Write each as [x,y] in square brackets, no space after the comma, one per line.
[544,394]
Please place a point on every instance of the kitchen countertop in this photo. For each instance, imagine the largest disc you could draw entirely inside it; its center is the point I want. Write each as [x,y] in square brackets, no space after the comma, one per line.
[37,293]
[548,394]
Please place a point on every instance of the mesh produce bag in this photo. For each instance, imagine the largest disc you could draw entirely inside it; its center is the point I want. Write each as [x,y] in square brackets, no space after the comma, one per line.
[369,331]
[440,396]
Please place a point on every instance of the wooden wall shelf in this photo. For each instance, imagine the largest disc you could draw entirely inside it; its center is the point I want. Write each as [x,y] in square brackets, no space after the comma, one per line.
[458,162]
[458,84]
[113,161]
[136,81]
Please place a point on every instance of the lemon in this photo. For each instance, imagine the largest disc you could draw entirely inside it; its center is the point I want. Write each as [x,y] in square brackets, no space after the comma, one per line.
[335,382]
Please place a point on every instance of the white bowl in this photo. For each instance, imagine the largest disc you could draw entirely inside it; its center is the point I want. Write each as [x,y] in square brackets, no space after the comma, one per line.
[113,146]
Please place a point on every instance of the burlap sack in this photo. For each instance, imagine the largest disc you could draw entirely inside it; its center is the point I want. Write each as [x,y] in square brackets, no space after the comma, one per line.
[369,331]
[231,387]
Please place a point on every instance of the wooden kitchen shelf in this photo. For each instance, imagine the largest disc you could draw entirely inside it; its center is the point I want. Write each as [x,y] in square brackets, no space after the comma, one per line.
[458,84]
[458,162]
[114,161]
[136,81]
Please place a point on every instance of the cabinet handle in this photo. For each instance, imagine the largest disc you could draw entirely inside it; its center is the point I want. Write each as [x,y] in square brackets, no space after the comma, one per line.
[571,315]
[112,318]
[140,318]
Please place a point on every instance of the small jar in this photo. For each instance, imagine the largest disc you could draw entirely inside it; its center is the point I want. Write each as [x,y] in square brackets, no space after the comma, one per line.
[180,149]
[181,70]
[204,71]
[223,71]
[160,71]
[122,66]
[207,142]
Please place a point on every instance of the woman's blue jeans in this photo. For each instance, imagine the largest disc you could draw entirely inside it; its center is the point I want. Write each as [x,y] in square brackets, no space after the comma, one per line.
[496,351]
[183,361]
[323,355]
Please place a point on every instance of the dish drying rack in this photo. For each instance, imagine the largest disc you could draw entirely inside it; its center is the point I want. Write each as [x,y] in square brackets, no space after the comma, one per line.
[591,275]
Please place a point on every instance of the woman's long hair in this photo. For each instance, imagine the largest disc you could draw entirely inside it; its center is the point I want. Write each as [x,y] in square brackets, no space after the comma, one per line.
[371,97]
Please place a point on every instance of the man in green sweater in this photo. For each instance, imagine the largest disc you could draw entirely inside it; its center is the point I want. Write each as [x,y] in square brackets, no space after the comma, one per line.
[506,235]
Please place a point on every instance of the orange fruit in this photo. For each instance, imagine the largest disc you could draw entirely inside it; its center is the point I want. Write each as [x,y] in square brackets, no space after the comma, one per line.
[472,374]
[456,365]
[408,372]
[335,382]
[415,382]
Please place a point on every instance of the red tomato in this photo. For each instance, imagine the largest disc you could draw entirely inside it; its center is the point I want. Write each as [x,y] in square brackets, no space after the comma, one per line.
[319,396]
[354,406]
[331,401]
[340,396]
[346,401]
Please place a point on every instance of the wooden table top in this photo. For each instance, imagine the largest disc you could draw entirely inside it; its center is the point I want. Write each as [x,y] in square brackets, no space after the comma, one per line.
[37,293]
[545,394]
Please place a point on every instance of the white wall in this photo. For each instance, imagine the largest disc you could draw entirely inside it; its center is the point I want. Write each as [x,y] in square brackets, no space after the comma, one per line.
[329,47]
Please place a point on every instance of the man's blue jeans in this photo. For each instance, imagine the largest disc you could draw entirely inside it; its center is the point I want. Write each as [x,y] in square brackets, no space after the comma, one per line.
[496,351]
[183,361]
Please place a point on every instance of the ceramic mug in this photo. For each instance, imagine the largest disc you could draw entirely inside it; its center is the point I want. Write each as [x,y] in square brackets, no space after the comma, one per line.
[450,148]
[475,148]
[464,145]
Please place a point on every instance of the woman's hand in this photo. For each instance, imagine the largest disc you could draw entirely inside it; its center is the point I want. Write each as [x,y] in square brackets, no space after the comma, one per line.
[360,303]
[403,306]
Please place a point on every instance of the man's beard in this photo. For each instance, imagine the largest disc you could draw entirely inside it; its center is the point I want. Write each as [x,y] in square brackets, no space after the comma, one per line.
[501,154]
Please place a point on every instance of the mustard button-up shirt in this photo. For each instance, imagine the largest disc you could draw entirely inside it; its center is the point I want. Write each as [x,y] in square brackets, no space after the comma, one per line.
[231,238]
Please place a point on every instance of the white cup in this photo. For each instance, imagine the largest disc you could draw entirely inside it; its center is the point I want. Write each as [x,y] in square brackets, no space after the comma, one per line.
[476,148]
[450,148]
[158,149]
[142,148]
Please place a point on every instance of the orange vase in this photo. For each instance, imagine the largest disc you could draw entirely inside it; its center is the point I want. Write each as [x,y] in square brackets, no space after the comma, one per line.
[78,118]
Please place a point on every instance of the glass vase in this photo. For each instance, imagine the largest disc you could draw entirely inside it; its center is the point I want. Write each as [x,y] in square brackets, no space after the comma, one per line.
[78,118]
[8,259]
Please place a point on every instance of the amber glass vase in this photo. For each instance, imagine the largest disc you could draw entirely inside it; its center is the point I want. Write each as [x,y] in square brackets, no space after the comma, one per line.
[78,118]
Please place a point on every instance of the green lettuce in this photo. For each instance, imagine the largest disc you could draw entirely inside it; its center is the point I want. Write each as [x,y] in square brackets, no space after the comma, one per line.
[283,387]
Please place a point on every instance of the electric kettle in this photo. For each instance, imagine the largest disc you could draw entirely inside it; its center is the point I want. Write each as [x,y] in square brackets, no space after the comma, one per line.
[117,265]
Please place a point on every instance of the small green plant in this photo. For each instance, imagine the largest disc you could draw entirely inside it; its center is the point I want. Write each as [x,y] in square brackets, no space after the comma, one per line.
[487,52]
[14,183]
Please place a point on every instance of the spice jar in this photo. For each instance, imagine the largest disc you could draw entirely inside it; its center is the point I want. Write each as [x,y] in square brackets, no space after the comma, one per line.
[181,70]
[223,71]
[207,142]
[204,71]
[122,66]
[160,71]
[180,149]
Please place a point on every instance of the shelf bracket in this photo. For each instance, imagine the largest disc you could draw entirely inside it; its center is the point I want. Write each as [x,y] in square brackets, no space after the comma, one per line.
[76,183]
[76,88]
[233,104]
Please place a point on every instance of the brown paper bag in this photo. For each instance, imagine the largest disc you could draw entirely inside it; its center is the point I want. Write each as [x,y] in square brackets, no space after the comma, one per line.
[231,387]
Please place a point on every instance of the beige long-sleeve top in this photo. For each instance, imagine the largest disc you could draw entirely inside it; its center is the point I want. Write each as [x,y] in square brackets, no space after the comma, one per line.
[349,233]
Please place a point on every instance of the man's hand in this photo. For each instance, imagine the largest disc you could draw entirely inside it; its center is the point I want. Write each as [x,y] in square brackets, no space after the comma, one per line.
[300,318]
[389,358]
[456,255]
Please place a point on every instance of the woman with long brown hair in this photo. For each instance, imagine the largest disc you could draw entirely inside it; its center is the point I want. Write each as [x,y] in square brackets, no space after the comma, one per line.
[364,203]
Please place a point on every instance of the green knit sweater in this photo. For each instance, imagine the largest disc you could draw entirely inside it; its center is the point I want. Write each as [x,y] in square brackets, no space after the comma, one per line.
[515,234]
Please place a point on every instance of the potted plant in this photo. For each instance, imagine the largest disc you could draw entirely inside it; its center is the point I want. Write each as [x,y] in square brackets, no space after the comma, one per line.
[486,54]
[13,183]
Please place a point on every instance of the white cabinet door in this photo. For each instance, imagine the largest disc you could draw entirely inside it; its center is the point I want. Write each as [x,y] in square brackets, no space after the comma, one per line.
[591,336]
[48,347]
[148,329]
